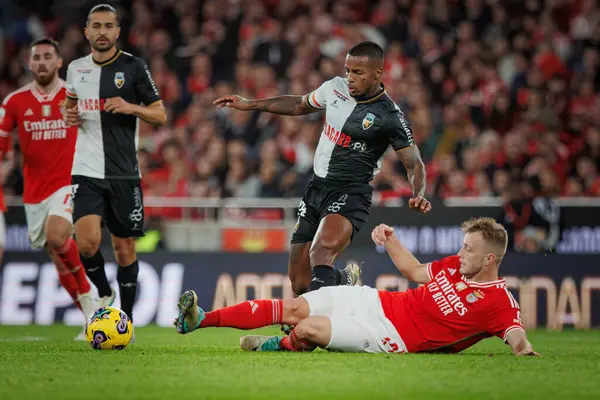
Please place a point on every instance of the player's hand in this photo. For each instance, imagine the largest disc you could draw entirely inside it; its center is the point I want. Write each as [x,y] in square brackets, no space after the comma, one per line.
[233,101]
[117,105]
[71,116]
[381,234]
[420,204]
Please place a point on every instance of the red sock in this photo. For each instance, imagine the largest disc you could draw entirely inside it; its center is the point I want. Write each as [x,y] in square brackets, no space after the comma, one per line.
[247,315]
[69,255]
[67,280]
[293,343]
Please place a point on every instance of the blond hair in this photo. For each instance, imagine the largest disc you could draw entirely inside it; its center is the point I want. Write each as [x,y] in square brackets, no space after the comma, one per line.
[493,233]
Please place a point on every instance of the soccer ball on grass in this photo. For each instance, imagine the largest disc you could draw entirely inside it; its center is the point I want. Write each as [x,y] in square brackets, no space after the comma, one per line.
[108,329]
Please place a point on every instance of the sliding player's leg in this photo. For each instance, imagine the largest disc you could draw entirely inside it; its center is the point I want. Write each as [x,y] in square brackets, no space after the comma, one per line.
[345,319]
[247,315]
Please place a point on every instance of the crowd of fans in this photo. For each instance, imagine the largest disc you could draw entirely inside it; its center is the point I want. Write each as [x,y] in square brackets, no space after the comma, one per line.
[502,95]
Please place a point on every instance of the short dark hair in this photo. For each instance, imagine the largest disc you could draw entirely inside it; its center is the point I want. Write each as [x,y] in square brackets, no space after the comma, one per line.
[103,8]
[367,49]
[47,41]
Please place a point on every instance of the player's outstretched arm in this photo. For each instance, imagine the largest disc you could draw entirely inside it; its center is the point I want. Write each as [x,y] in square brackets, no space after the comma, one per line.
[415,170]
[519,344]
[404,260]
[282,105]
[154,113]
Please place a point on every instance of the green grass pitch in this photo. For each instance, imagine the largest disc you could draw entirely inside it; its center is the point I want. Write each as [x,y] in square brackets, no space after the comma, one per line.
[45,363]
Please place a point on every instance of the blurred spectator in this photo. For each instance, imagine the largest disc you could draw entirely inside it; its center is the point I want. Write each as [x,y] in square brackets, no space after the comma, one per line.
[500,95]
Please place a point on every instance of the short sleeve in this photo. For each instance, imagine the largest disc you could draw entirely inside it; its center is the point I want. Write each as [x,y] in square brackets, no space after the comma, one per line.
[399,130]
[8,122]
[450,264]
[506,319]
[318,98]
[71,92]
[145,88]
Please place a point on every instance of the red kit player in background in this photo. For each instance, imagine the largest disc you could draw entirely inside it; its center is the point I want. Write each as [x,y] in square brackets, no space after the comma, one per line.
[47,144]
[461,302]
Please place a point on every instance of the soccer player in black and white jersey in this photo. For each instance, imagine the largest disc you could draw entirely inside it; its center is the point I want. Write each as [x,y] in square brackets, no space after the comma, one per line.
[362,121]
[107,92]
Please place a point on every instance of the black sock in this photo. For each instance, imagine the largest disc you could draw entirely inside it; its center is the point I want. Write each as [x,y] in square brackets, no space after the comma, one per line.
[127,279]
[94,268]
[338,276]
[323,275]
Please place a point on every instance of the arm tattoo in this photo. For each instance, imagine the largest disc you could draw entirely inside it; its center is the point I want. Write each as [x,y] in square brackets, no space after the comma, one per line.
[415,169]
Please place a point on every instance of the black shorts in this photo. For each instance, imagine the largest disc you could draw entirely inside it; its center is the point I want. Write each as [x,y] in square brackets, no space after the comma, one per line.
[321,198]
[118,201]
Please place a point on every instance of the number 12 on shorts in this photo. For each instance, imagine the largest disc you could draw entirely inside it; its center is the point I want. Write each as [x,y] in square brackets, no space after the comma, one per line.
[390,346]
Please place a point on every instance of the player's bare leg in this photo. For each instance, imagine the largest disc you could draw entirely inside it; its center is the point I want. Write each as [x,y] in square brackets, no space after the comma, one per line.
[303,257]
[333,236]
[246,315]
[88,235]
[63,250]
[299,270]
[127,274]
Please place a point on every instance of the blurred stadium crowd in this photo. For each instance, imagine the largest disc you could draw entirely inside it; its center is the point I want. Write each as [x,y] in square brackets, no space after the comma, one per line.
[502,95]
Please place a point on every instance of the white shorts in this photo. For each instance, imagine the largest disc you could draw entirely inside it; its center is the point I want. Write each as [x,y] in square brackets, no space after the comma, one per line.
[2,230]
[59,203]
[358,323]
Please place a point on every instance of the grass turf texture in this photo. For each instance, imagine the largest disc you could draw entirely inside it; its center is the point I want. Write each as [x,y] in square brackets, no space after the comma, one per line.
[209,364]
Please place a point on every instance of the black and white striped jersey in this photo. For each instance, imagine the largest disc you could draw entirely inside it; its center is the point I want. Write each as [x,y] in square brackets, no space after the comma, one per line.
[356,134]
[107,143]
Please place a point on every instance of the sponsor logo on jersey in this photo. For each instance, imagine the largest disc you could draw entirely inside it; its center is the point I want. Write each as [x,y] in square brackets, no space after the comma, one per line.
[339,95]
[368,121]
[119,79]
[28,113]
[91,104]
[479,294]
[443,294]
[46,129]
[359,145]
[461,286]
[46,110]
[84,71]
[337,137]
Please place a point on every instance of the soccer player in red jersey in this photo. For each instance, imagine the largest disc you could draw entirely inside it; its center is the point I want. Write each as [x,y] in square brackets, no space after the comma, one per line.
[461,302]
[47,144]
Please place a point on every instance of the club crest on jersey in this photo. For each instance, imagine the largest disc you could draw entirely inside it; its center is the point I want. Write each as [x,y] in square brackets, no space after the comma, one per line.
[368,121]
[119,79]
[472,298]
[461,286]
[46,110]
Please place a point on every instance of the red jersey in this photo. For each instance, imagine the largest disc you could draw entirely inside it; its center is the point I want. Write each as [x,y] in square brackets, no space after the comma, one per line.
[451,313]
[46,142]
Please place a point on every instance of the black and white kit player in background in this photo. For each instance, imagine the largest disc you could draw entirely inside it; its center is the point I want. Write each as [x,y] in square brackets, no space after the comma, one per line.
[362,121]
[107,91]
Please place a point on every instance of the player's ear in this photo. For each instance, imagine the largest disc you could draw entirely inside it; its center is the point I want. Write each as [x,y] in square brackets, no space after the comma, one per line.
[86,33]
[118,32]
[59,63]
[378,72]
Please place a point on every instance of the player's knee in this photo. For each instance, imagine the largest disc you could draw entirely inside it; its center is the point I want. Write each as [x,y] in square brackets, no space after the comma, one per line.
[57,235]
[295,310]
[124,251]
[308,330]
[88,246]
